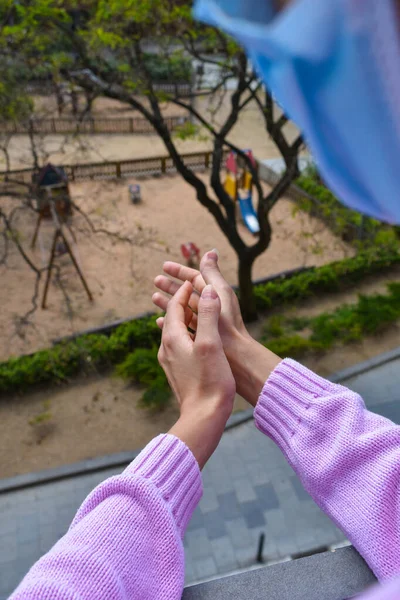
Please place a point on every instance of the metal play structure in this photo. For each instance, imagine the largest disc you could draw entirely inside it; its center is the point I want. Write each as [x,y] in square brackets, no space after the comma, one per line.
[239,185]
[54,202]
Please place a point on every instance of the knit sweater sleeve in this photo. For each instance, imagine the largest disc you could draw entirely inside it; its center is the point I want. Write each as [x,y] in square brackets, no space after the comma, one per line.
[347,458]
[125,542]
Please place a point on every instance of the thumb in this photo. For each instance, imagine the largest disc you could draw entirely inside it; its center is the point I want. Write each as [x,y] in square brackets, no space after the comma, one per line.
[210,270]
[207,317]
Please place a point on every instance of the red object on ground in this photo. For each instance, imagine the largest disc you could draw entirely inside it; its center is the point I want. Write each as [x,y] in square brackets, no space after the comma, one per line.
[190,251]
[231,164]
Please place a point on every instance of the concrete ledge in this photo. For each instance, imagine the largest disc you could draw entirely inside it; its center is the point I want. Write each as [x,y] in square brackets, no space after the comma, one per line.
[367,365]
[328,576]
[91,465]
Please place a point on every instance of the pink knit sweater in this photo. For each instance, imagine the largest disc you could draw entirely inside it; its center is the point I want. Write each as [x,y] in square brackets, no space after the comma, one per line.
[126,539]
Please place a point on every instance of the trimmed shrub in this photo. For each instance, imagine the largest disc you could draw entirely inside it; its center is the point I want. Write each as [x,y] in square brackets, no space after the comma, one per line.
[348,224]
[328,278]
[348,323]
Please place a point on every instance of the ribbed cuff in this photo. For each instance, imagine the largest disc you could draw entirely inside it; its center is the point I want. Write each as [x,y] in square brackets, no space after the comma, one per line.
[169,464]
[285,398]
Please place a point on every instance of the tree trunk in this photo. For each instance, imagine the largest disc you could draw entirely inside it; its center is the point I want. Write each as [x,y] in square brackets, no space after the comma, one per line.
[89,101]
[74,102]
[246,291]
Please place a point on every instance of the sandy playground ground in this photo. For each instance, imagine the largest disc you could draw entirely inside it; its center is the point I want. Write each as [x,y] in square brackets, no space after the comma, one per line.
[120,274]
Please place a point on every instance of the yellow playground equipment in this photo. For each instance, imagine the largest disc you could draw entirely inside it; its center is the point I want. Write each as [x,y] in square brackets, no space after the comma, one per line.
[239,187]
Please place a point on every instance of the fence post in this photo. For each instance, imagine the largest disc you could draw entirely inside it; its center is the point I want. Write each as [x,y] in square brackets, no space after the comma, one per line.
[163,165]
[207,160]
[92,124]
[131,125]
[118,167]
[72,173]
[53,122]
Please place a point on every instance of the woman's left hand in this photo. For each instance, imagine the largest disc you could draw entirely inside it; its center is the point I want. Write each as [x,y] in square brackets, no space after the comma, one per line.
[197,370]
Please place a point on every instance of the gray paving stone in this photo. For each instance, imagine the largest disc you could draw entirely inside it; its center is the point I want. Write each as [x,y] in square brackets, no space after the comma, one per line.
[267,496]
[27,534]
[255,535]
[324,537]
[205,567]
[8,526]
[8,581]
[197,520]
[47,514]
[190,573]
[229,505]
[239,533]
[209,501]
[236,468]
[299,489]
[390,410]
[257,473]
[306,540]
[198,544]
[286,545]
[250,507]
[29,550]
[254,519]
[8,549]
[244,490]
[276,522]
[270,551]
[214,524]
[245,557]
[222,483]
[224,554]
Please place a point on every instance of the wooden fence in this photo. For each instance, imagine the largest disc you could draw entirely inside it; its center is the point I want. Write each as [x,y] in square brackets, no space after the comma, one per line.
[46,88]
[127,125]
[157,165]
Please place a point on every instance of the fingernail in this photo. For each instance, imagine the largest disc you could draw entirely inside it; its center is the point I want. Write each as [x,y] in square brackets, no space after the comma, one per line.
[209,292]
[214,251]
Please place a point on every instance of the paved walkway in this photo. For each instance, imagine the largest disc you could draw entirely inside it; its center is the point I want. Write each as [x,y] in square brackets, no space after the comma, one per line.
[248,489]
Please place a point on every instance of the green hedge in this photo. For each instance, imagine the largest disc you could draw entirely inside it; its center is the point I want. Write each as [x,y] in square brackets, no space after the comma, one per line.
[348,224]
[85,354]
[348,323]
[125,346]
[328,278]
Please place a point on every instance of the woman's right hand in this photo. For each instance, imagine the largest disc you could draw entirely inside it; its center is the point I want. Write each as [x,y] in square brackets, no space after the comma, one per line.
[231,324]
[251,363]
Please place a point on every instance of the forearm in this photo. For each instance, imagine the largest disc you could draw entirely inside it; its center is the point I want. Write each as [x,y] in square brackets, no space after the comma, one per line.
[347,457]
[126,539]
[251,364]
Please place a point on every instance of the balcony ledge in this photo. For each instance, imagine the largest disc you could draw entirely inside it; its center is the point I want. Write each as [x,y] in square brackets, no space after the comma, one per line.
[337,575]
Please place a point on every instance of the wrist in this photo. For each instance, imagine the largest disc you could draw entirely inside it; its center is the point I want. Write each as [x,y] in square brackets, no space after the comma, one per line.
[251,364]
[201,426]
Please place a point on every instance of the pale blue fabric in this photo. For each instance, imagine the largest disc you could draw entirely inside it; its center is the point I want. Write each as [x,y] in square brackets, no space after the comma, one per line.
[334,66]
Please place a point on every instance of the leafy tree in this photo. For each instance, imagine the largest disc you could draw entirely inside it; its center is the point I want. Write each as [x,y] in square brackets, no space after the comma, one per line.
[122,49]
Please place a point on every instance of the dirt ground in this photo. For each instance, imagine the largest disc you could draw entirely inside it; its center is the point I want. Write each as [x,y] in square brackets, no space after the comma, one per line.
[99,415]
[249,132]
[119,273]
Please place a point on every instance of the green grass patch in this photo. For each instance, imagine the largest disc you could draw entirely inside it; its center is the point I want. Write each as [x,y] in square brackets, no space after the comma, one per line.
[348,323]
